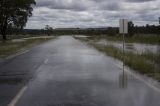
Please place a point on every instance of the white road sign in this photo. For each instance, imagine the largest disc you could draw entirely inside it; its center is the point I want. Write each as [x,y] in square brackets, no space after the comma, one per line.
[123,26]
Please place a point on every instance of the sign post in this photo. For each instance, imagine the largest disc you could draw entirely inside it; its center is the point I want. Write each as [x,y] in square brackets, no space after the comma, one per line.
[123,29]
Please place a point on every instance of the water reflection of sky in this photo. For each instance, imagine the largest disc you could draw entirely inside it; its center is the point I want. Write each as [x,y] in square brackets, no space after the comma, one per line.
[133,47]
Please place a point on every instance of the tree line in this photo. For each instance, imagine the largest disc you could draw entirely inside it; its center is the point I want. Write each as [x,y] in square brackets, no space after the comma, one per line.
[110,31]
[147,29]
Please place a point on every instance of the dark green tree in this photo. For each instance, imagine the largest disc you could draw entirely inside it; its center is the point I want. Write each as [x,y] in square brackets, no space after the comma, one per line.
[14,13]
[111,31]
[131,29]
[48,30]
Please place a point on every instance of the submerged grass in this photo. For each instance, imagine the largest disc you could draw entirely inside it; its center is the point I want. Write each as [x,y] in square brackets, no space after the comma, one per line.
[152,57]
[7,48]
[147,63]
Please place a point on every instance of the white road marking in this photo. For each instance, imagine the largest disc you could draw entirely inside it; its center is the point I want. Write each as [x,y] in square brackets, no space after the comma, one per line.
[46,61]
[20,53]
[18,96]
[141,79]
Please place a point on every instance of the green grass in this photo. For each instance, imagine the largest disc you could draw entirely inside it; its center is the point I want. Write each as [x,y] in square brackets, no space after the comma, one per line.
[20,36]
[152,57]
[147,63]
[149,39]
[7,48]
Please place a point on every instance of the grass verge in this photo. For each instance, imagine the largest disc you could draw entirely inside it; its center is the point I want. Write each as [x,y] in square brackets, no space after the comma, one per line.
[8,48]
[148,39]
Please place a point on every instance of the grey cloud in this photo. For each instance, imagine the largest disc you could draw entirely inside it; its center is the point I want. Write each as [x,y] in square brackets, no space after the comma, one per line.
[111,6]
[139,1]
[92,13]
[100,1]
[63,4]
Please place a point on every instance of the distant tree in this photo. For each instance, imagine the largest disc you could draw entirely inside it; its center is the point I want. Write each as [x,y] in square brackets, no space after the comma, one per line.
[42,31]
[158,29]
[131,29]
[14,13]
[48,30]
[111,31]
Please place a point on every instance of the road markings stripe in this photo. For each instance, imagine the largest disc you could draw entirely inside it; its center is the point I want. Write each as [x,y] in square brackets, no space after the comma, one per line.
[18,96]
[142,80]
[46,61]
[17,54]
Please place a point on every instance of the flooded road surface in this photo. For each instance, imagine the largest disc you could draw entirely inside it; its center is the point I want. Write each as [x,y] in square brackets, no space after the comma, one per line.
[66,72]
[133,47]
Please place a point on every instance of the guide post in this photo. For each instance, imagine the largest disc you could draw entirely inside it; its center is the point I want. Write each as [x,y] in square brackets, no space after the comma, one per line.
[123,29]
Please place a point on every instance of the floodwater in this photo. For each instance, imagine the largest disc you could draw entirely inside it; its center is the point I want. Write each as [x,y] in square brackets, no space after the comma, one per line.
[133,47]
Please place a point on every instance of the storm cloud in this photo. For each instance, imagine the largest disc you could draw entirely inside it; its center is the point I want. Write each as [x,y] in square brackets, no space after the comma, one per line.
[93,13]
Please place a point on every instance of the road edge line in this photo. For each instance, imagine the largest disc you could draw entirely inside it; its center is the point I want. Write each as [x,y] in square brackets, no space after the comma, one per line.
[18,96]
[17,54]
[45,61]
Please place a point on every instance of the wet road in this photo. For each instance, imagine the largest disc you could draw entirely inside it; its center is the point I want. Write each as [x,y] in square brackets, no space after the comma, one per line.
[66,72]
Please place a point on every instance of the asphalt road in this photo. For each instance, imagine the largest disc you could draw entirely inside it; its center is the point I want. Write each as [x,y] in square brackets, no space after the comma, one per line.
[66,72]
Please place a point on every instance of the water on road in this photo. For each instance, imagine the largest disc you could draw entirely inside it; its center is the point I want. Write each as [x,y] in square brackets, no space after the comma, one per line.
[73,74]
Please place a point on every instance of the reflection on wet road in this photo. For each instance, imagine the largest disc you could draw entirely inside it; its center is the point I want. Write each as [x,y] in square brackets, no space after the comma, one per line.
[73,74]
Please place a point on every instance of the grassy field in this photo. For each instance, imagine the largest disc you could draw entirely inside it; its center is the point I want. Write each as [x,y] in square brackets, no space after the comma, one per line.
[9,47]
[146,63]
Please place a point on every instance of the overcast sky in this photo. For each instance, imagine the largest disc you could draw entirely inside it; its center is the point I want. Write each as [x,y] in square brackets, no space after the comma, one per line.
[93,13]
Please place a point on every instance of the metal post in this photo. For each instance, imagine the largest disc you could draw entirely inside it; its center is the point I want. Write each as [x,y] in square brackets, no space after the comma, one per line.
[123,53]
[123,47]
[123,30]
